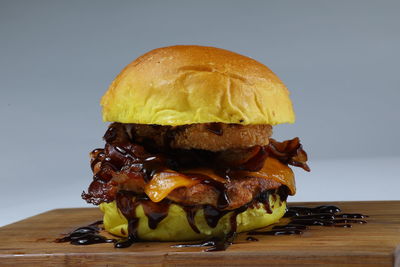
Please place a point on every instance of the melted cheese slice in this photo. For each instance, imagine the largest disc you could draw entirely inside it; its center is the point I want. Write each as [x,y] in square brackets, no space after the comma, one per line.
[275,170]
[166,181]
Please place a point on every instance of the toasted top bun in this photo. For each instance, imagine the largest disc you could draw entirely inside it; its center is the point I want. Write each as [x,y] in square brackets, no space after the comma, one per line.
[182,84]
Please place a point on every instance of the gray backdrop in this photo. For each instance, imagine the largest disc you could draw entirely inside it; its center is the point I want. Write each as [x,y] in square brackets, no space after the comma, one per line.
[340,59]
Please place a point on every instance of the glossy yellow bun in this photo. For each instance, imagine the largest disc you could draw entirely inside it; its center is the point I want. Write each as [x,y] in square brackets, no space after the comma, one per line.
[175,226]
[182,84]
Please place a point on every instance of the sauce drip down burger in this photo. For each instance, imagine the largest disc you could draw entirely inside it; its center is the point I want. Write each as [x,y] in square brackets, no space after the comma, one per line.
[189,153]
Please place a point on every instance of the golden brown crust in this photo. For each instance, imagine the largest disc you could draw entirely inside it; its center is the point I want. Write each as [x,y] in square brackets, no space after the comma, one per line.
[231,137]
[203,59]
[180,85]
[202,136]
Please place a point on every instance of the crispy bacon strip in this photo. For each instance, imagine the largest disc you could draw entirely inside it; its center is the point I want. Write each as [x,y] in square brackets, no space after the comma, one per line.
[289,152]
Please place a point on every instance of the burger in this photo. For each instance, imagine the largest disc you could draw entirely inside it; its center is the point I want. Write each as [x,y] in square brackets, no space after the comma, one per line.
[188,154]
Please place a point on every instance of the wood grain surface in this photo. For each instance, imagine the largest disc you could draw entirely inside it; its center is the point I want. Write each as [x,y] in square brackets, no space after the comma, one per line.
[30,243]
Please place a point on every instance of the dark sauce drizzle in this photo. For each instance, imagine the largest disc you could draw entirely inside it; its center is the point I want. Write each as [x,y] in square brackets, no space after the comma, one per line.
[86,235]
[300,219]
[223,199]
[155,212]
[213,215]
[303,217]
[251,238]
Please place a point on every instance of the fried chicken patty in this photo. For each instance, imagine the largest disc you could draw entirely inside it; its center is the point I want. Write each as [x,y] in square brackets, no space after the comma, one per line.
[206,136]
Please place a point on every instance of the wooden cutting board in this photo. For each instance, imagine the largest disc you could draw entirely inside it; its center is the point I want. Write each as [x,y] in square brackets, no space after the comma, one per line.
[377,243]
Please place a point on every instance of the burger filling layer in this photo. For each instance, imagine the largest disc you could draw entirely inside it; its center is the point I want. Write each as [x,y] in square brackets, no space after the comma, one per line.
[227,179]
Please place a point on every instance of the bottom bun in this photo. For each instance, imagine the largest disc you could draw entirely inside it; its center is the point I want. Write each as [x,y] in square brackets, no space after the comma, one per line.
[175,227]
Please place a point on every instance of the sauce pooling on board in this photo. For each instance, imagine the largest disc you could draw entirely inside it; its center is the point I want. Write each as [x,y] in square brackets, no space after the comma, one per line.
[300,218]
[86,235]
